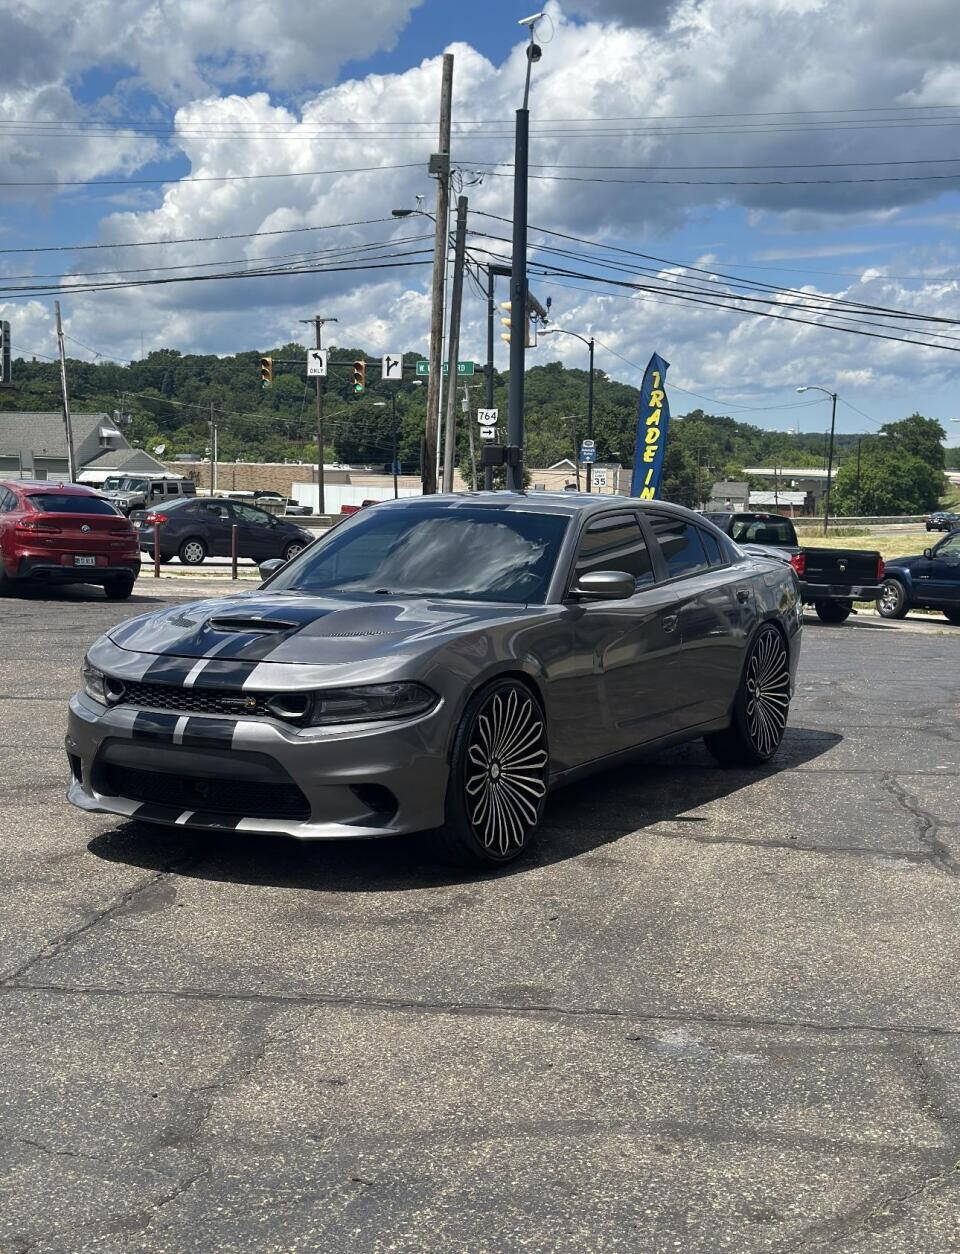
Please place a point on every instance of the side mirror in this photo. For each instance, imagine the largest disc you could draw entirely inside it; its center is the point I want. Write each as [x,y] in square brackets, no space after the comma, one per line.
[270,567]
[928,552]
[604,585]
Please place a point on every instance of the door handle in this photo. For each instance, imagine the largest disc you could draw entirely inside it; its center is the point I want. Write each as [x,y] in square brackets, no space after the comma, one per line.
[670,621]
[742,595]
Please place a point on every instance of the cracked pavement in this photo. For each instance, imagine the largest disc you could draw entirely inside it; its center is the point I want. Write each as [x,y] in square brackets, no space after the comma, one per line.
[714,1011]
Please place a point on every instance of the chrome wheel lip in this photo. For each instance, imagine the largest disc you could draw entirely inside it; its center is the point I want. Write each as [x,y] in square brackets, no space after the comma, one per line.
[768,692]
[505,771]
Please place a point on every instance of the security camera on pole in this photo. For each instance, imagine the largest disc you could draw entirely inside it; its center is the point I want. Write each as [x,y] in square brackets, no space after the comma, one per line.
[518,271]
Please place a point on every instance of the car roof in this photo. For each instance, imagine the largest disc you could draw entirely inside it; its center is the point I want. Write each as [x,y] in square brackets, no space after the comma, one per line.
[46,485]
[569,503]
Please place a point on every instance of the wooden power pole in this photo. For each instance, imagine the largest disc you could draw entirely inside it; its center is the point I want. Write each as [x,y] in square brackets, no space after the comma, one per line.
[68,425]
[440,164]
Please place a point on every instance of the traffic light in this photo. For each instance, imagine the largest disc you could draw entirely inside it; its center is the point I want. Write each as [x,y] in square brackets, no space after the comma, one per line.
[359,375]
[505,335]
[266,371]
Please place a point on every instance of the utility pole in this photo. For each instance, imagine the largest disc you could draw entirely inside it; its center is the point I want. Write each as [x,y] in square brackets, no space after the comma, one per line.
[488,374]
[453,345]
[826,499]
[590,416]
[859,439]
[213,452]
[518,283]
[440,166]
[68,425]
[474,485]
[318,323]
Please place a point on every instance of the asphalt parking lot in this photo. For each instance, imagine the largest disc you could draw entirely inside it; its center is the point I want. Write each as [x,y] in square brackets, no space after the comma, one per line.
[716,1010]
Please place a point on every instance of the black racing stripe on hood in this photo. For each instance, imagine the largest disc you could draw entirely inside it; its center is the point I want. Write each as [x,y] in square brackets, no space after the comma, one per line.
[169,670]
[253,648]
[223,674]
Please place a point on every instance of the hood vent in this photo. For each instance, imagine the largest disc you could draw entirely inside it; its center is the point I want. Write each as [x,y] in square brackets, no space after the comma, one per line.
[249,626]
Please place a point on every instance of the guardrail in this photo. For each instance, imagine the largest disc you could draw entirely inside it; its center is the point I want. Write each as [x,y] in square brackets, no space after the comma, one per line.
[860,520]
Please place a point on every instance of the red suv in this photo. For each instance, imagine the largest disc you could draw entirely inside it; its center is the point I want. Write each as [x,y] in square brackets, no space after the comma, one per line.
[64,533]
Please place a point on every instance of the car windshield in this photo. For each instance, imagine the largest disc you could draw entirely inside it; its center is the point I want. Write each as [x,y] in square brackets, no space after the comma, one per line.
[112,483]
[438,550]
[69,503]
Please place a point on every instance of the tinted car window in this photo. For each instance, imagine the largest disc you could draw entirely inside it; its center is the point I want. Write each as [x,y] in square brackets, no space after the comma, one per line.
[67,503]
[763,531]
[247,514]
[615,543]
[461,552]
[215,511]
[949,550]
[7,500]
[679,542]
[712,547]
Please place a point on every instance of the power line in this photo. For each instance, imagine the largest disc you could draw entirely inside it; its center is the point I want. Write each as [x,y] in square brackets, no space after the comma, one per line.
[213,178]
[197,239]
[572,178]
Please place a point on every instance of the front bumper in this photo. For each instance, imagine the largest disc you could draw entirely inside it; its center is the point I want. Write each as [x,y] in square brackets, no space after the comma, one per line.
[203,771]
[811,592]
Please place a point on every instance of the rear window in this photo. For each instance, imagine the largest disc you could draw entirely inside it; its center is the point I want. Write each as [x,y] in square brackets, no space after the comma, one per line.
[68,503]
[763,531]
[680,544]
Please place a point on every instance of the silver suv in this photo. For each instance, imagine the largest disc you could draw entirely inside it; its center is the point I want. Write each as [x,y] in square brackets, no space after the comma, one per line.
[143,492]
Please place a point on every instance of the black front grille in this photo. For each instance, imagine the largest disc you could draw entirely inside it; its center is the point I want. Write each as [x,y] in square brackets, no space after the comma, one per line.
[249,799]
[194,700]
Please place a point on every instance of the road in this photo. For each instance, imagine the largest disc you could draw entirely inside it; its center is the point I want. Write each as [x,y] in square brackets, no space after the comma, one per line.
[716,1011]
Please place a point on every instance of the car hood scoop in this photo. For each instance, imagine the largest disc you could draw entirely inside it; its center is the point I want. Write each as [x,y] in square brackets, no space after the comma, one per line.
[284,627]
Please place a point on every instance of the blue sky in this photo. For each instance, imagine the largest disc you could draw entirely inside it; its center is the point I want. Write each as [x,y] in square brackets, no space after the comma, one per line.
[736,84]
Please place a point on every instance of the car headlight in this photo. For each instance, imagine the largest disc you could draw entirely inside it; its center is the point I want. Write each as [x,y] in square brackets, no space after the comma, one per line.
[368,704]
[99,687]
[93,683]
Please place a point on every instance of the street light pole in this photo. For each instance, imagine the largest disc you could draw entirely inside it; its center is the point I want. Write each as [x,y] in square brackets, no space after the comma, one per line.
[518,269]
[812,387]
[590,345]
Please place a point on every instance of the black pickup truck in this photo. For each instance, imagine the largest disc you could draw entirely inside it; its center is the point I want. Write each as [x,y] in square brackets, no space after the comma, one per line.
[830,579]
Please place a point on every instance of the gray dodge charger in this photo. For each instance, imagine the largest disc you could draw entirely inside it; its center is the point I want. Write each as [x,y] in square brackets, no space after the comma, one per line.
[440,663]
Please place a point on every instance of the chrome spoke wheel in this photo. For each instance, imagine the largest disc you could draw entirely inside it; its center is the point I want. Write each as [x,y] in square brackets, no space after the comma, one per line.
[768,692]
[505,770]
[889,597]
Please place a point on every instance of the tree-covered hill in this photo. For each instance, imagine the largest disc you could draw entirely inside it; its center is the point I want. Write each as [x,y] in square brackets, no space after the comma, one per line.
[168,398]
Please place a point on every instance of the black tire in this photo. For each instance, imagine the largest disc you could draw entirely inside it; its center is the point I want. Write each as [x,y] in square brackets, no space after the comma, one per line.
[952,616]
[929,526]
[761,706]
[892,601]
[8,585]
[192,551]
[119,589]
[832,611]
[499,768]
[292,549]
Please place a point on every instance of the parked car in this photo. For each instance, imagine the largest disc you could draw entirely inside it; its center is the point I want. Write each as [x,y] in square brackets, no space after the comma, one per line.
[942,520]
[142,492]
[440,661]
[830,579]
[64,533]
[929,582]
[202,527]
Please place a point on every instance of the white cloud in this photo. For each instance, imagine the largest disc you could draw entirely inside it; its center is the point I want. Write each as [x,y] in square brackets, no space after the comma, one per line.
[717,57]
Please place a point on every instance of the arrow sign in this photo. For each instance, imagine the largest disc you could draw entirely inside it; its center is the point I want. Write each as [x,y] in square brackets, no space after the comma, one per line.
[391,367]
[317,363]
[488,417]
[488,433]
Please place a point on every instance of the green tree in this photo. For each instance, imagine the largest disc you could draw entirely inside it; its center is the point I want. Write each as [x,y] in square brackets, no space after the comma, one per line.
[891,482]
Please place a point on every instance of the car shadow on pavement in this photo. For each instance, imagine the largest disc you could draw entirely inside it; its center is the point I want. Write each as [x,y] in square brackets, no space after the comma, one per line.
[579,819]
